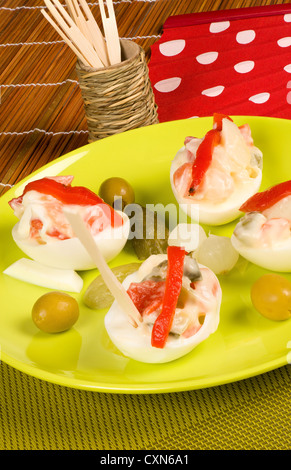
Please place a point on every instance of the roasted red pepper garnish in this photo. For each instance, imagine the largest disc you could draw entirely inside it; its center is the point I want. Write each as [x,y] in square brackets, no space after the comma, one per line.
[67,194]
[217,120]
[163,323]
[203,158]
[265,199]
[205,150]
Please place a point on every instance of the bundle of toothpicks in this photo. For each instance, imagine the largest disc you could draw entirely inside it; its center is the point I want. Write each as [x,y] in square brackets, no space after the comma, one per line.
[79,29]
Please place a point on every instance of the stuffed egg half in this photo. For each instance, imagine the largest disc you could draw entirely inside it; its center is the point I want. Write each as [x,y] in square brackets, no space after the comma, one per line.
[197,312]
[263,234]
[44,234]
[217,173]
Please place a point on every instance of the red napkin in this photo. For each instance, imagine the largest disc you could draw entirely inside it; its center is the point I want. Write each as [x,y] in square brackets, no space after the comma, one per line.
[236,62]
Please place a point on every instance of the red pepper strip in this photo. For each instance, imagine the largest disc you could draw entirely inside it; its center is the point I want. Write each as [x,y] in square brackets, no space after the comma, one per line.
[163,323]
[64,193]
[205,151]
[69,195]
[203,158]
[217,120]
[265,199]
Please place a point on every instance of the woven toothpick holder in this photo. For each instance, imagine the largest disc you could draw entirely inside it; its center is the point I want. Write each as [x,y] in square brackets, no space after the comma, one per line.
[120,97]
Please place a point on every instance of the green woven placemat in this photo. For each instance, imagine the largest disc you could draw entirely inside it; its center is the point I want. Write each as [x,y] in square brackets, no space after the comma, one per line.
[247,415]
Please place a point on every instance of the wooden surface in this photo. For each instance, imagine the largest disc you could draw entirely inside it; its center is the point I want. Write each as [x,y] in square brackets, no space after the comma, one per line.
[42,115]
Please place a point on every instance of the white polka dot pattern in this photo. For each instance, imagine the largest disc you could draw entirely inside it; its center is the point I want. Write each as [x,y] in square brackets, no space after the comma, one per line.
[245,37]
[172,48]
[207,57]
[284,42]
[260,98]
[219,26]
[214,91]
[288,97]
[167,85]
[245,66]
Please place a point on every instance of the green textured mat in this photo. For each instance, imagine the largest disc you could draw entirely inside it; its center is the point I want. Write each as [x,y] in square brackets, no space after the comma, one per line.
[252,414]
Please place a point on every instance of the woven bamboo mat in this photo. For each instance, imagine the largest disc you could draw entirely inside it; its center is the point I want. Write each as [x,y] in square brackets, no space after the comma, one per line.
[246,415]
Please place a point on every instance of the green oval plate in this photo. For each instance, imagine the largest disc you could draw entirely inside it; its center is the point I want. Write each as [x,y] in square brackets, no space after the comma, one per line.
[245,343]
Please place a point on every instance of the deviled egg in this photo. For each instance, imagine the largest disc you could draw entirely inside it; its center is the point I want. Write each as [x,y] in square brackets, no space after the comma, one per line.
[179,302]
[217,173]
[263,234]
[44,234]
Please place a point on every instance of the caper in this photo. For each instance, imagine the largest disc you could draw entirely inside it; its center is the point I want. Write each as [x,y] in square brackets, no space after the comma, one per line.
[116,189]
[55,312]
[191,269]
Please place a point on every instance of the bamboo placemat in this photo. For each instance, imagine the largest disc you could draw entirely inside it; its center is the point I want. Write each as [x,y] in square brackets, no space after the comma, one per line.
[42,118]
[253,414]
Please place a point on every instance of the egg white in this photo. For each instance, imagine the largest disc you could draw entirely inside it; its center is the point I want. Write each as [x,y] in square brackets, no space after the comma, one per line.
[208,212]
[275,258]
[70,253]
[135,343]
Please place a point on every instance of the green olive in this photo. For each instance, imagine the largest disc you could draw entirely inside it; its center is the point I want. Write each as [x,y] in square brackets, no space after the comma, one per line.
[55,312]
[115,188]
[271,296]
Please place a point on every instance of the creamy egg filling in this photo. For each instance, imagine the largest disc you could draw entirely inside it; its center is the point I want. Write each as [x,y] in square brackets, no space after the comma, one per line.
[196,318]
[188,316]
[41,219]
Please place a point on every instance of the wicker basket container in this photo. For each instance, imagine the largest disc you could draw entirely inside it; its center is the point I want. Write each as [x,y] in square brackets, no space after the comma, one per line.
[119,97]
